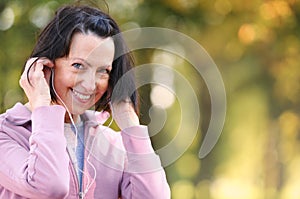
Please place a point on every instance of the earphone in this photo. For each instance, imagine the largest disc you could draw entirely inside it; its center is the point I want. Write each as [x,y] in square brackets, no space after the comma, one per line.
[89,183]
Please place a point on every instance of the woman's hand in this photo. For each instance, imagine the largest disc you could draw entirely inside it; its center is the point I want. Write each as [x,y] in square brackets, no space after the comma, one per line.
[35,84]
[124,114]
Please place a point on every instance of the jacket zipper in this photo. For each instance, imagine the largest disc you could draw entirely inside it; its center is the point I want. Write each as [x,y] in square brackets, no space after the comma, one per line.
[80,194]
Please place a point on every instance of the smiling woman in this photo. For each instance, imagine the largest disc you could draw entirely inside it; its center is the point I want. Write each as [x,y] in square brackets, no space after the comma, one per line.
[54,146]
[82,76]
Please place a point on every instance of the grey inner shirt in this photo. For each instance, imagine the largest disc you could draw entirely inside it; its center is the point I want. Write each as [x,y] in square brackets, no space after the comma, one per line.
[76,147]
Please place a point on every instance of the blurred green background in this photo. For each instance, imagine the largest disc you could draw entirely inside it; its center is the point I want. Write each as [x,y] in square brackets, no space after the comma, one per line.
[255,45]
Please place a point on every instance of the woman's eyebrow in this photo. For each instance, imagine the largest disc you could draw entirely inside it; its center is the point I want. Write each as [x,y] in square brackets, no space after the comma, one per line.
[81,59]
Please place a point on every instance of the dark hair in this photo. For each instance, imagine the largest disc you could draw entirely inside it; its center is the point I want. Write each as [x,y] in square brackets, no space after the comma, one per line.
[55,39]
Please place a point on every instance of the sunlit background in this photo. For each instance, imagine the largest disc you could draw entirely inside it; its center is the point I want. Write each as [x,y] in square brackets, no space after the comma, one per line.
[256,46]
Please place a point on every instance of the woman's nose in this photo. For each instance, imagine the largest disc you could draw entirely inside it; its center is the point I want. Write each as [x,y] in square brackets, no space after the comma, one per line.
[89,82]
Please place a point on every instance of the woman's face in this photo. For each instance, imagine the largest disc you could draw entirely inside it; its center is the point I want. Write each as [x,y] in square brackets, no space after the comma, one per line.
[81,78]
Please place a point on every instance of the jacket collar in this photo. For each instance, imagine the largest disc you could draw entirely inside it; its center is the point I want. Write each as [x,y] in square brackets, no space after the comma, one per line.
[94,118]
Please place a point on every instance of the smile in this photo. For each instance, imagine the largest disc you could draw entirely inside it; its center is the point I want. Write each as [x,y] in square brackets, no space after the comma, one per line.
[82,96]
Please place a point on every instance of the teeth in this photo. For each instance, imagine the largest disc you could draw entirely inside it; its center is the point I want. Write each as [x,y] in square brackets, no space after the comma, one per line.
[83,97]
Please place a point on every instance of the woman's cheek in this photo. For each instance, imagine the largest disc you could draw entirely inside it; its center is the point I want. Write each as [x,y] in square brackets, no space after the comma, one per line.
[103,85]
[74,79]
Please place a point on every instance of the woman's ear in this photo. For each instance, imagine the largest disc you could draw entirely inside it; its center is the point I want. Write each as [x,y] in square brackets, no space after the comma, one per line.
[48,73]
[48,68]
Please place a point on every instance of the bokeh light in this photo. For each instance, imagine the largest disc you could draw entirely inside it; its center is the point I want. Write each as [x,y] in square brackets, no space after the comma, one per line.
[7,18]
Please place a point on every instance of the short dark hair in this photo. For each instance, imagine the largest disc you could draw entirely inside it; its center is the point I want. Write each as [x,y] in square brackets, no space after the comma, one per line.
[55,39]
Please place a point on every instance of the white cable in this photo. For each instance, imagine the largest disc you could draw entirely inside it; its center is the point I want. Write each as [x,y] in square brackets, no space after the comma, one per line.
[88,159]
[76,139]
[89,184]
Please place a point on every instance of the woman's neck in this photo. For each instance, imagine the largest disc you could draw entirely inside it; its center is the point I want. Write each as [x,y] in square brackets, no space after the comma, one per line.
[76,118]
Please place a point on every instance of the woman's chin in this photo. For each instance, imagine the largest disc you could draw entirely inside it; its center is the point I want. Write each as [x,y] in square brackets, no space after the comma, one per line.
[78,111]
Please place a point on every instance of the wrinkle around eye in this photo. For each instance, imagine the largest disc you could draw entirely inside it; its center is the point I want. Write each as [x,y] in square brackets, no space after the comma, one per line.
[104,71]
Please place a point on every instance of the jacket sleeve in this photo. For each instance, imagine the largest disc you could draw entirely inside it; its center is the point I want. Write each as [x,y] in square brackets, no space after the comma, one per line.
[143,175]
[41,172]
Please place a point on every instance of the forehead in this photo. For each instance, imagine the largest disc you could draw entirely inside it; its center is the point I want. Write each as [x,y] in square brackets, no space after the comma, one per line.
[92,48]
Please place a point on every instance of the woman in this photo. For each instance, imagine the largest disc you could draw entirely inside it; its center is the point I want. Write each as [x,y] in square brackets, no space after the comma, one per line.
[53,146]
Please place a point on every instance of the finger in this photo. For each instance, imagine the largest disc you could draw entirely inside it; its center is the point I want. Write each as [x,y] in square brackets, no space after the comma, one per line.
[46,62]
[34,73]
[25,75]
[46,66]
[127,100]
[121,107]
[124,115]
[39,66]
[32,62]
[119,102]
[28,65]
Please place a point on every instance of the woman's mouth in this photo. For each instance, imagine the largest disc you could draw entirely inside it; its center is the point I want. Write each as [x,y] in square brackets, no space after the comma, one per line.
[81,96]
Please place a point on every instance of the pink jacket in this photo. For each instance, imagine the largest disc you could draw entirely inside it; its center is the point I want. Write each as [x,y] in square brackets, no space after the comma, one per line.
[34,162]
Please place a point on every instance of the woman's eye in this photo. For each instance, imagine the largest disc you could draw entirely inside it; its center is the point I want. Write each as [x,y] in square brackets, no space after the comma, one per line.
[77,65]
[104,71]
